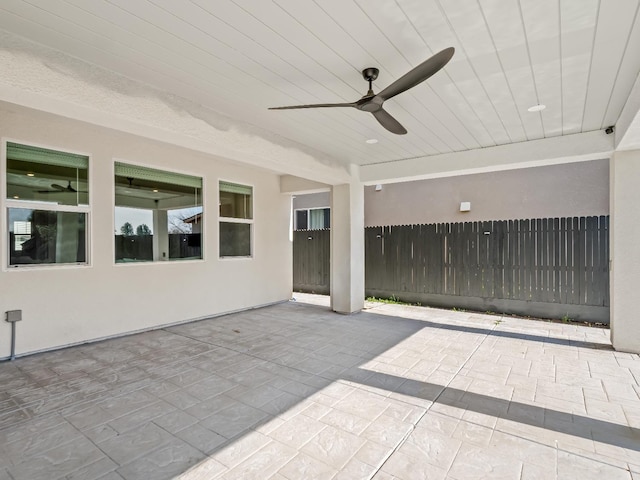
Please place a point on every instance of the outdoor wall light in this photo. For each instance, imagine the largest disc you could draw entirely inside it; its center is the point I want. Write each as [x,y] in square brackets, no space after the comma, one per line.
[378,187]
[465,206]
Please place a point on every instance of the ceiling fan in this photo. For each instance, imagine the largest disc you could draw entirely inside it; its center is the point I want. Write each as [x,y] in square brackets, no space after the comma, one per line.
[372,103]
[60,189]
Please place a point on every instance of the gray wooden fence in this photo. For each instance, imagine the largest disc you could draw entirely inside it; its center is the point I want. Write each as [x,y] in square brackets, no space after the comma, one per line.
[311,263]
[553,267]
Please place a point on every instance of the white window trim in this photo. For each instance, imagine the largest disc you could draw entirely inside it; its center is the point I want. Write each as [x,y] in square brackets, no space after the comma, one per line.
[250,221]
[203,196]
[235,220]
[6,203]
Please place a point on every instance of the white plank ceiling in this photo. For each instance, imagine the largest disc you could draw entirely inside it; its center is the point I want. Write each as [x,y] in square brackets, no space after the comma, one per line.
[578,57]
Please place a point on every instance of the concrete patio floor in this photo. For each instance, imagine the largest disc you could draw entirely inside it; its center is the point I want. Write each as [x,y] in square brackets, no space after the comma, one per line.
[294,391]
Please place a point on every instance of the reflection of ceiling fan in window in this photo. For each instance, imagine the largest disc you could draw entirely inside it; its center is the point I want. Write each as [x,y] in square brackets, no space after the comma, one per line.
[60,189]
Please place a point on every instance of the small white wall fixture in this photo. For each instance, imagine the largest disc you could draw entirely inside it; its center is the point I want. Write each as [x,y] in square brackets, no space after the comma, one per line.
[465,206]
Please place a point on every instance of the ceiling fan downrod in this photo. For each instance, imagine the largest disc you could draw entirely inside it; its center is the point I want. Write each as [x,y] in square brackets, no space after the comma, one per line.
[370,74]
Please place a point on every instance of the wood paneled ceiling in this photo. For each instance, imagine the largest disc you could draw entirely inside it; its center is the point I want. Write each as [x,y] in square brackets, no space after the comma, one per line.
[580,58]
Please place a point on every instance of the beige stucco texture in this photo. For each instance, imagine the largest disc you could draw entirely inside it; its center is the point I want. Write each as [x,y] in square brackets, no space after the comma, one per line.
[562,190]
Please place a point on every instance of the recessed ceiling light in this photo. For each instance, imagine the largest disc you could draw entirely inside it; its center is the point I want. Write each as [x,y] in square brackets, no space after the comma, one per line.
[537,108]
[155,190]
[31,174]
[372,140]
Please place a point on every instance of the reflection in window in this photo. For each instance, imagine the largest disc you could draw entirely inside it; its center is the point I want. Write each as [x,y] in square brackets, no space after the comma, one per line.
[46,237]
[55,233]
[133,235]
[235,239]
[313,219]
[158,215]
[236,219]
[43,175]
[302,217]
[235,201]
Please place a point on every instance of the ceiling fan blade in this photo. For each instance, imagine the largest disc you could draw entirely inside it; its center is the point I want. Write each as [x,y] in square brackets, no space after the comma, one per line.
[388,122]
[418,74]
[60,189]
[316,105]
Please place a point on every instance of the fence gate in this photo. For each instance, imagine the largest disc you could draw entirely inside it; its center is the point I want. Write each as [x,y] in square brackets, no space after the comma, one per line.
[311,263]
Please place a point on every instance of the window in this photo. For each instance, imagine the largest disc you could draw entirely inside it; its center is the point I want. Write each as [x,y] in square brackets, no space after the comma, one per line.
[158,215]
[236,219]
[313,219]
[47,206]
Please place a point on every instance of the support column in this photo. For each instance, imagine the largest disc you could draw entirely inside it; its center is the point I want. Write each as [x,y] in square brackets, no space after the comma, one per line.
[160,235]
[347,247]
[624,178]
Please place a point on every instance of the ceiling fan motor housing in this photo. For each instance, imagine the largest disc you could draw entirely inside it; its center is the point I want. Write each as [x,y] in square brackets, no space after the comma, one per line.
[370,74]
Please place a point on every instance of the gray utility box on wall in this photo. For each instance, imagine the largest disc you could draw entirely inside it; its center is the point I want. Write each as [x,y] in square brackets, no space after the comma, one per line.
[14,316]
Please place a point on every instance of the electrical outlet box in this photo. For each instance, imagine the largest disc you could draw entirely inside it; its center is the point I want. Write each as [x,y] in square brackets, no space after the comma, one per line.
[13,315]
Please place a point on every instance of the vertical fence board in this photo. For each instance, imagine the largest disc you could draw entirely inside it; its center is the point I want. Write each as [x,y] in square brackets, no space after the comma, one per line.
[547,260]
[588,266]
[508,266]
[571,255]
[438,250]
[562,267]
[580,256]
[520,261]
[603,233]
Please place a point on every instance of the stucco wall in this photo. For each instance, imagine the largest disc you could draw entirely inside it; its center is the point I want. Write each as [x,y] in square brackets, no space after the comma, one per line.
[625,254]
[570,189]
[65,305]
[312,200]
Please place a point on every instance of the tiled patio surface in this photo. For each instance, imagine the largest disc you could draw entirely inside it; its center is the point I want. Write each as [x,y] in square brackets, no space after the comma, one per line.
[294,391]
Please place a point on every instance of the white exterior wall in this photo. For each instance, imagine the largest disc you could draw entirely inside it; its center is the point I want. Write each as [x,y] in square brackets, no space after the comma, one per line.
[66,305]
[625,251]
[312,200]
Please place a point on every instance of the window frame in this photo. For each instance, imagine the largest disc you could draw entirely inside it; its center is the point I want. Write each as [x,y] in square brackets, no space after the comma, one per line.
[7,203]
[202,258]
[249,221]
[308,210]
